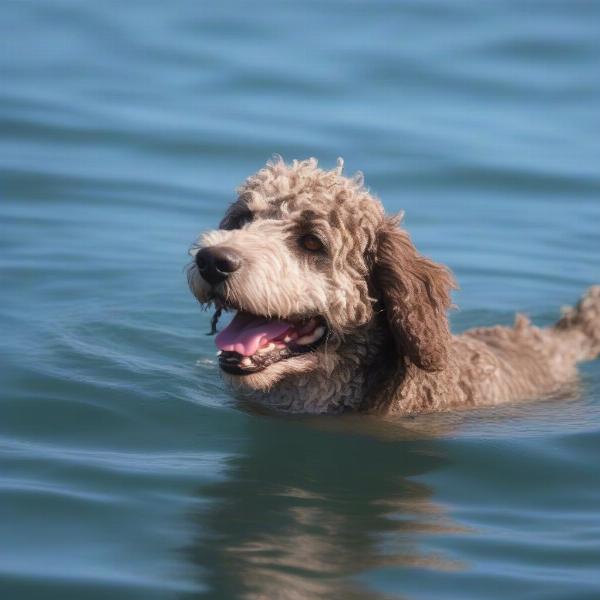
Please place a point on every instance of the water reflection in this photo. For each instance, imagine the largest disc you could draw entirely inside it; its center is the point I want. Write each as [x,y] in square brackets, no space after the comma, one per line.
[306,509]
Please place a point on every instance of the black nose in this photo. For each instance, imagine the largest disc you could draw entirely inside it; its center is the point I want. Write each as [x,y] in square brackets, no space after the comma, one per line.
[217,262]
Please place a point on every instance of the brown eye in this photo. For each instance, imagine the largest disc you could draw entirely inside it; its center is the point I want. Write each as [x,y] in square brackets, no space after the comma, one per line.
[311,243]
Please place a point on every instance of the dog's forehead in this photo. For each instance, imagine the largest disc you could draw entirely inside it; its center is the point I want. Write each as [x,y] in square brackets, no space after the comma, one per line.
[305,206]
[337,206]
[303,191]
[283,205]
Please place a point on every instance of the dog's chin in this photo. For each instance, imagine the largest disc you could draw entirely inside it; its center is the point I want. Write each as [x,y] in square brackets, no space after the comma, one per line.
[275,374]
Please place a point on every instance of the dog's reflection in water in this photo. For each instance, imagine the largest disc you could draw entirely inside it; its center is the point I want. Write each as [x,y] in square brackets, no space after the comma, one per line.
[307,508]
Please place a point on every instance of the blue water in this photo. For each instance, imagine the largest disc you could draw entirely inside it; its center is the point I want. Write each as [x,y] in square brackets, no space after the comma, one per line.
[126,469]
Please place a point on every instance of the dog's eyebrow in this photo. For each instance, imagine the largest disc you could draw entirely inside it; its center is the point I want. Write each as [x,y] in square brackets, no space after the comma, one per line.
[310,219]
[334,218]
[308,214]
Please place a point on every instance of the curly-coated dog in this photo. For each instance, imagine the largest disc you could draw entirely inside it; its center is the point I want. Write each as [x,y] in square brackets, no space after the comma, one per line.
[336,309]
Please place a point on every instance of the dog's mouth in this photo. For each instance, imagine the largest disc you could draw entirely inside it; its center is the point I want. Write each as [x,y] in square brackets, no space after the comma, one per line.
[251,343]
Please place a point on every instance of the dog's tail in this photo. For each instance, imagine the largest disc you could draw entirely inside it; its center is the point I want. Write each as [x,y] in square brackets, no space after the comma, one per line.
[583,322]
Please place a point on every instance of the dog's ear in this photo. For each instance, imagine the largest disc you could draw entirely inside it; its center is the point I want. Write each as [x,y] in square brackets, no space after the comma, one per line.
[416,296]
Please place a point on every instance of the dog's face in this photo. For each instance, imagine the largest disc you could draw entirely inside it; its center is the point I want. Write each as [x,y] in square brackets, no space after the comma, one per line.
[306,257]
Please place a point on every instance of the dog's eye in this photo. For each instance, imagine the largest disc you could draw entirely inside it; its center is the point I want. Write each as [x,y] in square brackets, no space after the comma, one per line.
[311,243]
[236,221]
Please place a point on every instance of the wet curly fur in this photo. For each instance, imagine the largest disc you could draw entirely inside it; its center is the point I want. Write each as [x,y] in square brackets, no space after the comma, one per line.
[389,346]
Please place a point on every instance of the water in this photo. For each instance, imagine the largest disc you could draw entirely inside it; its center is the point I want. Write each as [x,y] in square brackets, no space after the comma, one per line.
[126,469]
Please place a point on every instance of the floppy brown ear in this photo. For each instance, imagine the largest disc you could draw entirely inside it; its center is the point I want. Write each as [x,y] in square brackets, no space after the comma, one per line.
[416,296]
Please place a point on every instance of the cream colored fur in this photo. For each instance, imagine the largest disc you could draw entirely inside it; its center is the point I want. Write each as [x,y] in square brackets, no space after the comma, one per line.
[389,346]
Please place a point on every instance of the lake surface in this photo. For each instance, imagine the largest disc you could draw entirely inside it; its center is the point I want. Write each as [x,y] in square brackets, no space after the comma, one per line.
[126,469]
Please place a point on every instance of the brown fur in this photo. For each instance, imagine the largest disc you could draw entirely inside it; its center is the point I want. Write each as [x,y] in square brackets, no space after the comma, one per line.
[389,346]
[416,294]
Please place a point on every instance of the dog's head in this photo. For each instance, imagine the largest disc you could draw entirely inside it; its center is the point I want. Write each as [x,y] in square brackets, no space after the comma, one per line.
[309,261]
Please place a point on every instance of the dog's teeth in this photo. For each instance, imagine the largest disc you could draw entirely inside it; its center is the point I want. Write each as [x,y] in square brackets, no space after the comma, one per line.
[268,348]
[313,337]
[246,362]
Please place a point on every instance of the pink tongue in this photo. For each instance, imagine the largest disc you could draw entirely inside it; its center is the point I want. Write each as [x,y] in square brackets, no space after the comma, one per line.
[246,333]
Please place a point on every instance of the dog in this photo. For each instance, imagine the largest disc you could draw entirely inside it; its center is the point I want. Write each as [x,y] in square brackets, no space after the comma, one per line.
[337,311]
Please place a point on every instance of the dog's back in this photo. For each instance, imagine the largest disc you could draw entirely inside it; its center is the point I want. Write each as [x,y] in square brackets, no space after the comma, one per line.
[492,365]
